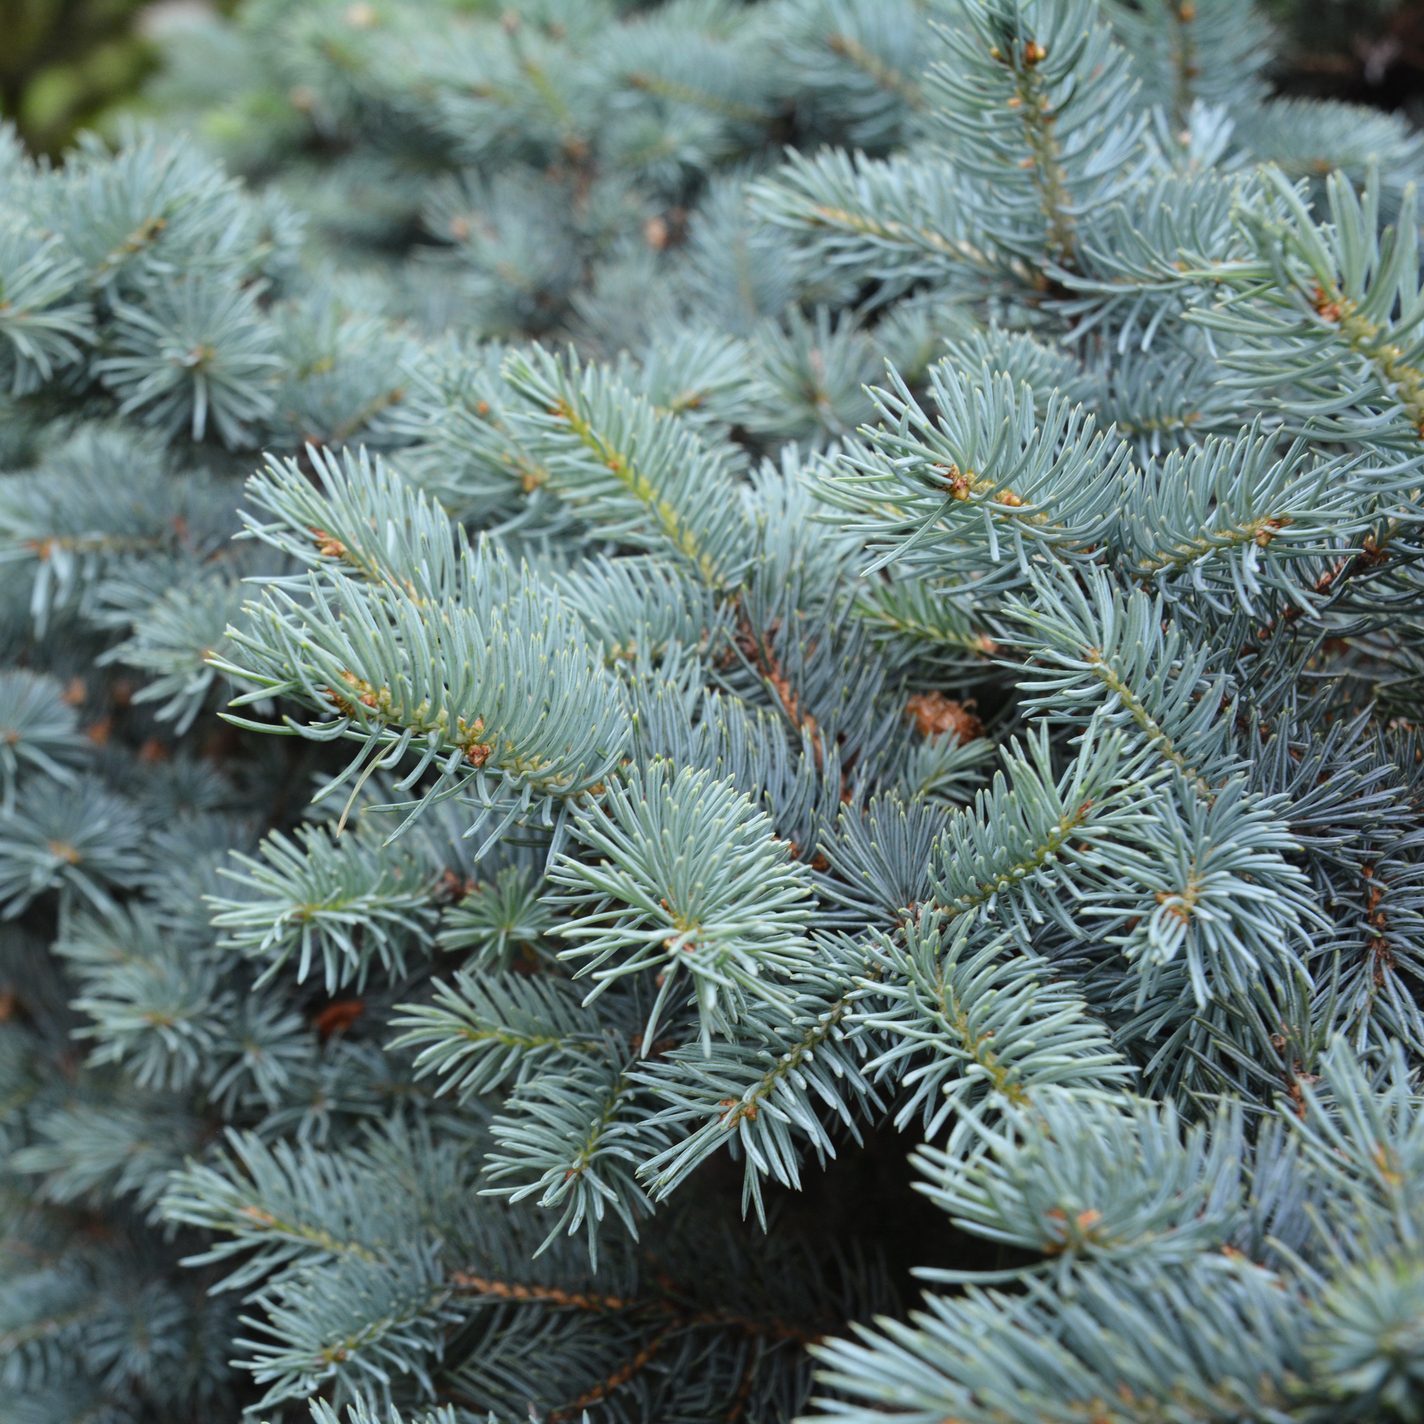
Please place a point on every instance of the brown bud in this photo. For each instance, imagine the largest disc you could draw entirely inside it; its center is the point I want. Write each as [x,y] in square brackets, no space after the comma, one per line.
[934,714]
[337,1017]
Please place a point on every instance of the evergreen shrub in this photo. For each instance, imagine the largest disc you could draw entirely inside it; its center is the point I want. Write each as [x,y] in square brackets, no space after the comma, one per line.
[711,712]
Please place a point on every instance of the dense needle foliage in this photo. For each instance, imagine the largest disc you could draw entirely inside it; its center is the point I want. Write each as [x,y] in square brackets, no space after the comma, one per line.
[709,712]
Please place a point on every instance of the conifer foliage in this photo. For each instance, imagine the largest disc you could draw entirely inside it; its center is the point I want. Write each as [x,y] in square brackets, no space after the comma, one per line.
[710,712]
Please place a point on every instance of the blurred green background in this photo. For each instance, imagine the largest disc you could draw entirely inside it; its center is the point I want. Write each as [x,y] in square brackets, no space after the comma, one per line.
[72,64]
[67,65]
[63,63]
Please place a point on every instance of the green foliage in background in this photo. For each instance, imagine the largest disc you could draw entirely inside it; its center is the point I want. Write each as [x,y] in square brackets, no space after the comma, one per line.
[711,711]
[64,62]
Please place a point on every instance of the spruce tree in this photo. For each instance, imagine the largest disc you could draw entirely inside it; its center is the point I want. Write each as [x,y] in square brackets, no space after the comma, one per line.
[711,712]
